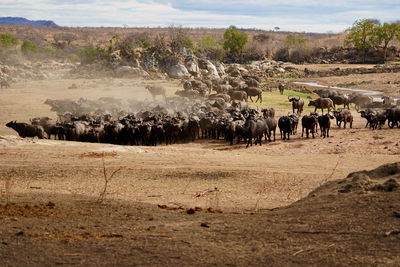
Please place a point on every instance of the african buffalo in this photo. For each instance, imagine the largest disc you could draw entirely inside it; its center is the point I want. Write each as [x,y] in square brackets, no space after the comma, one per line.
[322,103]
[343,115]
[324,122]
[26,130]
[297,103]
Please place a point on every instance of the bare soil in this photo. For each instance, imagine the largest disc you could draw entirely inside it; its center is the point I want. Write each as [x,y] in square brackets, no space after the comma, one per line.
[50,215]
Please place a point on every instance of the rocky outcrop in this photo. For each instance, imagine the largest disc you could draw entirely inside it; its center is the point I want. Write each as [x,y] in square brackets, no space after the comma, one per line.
[150,63]
[177,70]
[192,65]
[210,69]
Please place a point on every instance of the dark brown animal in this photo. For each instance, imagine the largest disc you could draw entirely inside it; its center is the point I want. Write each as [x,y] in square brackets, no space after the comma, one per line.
[322,103]
[309,123]
[252,91]
[341,100]
[393,117]
[343,115]
[324,122]
[281,88]
[285,127]
[268,112]
[297,103]
[360,101]
[26,130]
[238,95]
[252,82]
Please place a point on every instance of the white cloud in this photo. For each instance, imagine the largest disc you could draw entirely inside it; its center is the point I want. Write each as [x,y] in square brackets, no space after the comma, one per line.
[293,15]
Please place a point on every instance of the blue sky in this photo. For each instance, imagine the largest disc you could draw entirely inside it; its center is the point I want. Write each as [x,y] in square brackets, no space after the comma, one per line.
[290,15]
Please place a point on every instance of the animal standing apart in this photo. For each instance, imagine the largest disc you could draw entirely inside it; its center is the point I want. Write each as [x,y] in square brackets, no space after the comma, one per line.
[4,83]
[297,104]
[156,90]
[27,130]
[281,88]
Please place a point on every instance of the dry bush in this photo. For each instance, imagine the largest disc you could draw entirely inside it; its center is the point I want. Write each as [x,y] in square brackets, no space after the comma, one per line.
[107,179]
[282,54]
[259,47]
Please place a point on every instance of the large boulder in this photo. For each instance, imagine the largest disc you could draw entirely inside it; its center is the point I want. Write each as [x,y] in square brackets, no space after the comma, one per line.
[150,63]
[206,64]
[192,65]
[130,71]
[220,68]
[177,71]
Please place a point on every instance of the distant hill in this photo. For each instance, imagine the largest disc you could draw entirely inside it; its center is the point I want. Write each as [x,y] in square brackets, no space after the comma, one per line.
[24,21]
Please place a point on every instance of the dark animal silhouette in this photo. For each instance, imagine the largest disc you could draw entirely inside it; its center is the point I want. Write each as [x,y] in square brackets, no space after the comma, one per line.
[27,130]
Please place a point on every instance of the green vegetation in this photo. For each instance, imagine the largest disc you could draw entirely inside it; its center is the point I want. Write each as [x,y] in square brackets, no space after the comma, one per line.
[8,40]
[208,46]
[142,42]
[91,54]
[29,48]
[234,41]
[49,50]
[72,58]
[368,33]
[280,102]
[295,40]
[361,35]
[385,33]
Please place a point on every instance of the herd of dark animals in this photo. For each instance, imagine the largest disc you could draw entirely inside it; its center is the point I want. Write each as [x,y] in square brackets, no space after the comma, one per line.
[196,113]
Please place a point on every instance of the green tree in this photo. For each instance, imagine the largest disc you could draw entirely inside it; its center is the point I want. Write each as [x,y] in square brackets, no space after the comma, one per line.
[361,35]
[385,34]
[8,40]
[234,41]
[28,48]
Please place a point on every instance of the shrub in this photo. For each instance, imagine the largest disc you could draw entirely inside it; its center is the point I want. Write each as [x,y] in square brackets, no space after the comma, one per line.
[142,42]
[91,54]
[72,58]
[209,47]
[295,40]
[282,54]
[49,50]
[179,39]
[28,48]
[234,40]
[7,40]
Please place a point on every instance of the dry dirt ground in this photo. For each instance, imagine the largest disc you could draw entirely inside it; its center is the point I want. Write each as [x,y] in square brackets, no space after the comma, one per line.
[50,215]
